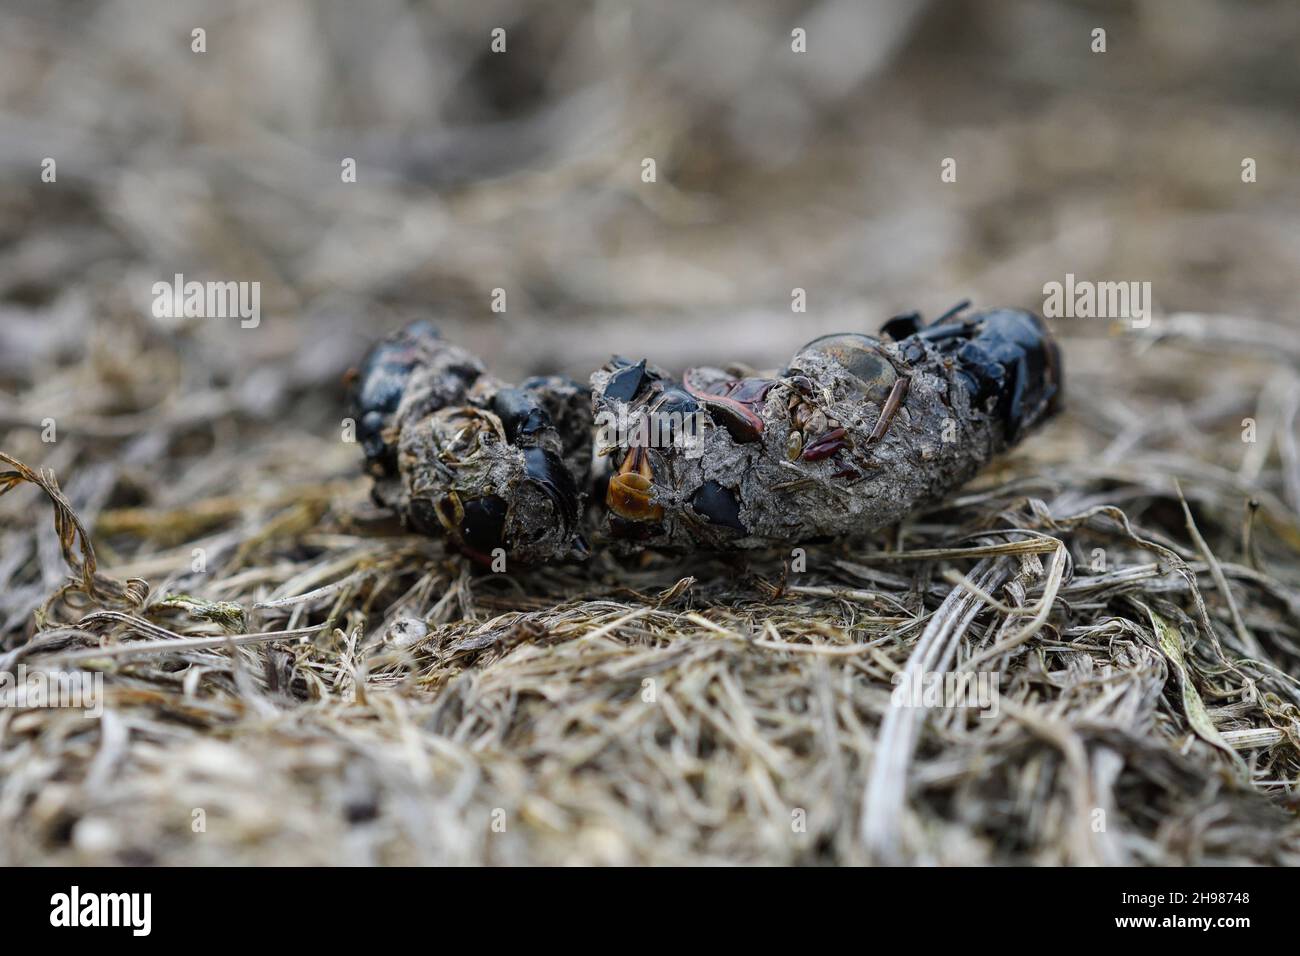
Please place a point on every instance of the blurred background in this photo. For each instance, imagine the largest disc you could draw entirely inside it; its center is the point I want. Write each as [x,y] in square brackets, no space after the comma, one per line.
[522,171]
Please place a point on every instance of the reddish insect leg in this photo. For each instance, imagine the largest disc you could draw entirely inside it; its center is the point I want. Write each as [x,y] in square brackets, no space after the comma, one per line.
[892,404]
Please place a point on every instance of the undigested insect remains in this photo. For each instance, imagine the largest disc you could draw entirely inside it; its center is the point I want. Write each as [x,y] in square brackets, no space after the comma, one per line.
[456,452]
[850,436]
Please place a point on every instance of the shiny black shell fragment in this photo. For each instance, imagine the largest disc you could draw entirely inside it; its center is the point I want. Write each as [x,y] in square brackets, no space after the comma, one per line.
[718,504]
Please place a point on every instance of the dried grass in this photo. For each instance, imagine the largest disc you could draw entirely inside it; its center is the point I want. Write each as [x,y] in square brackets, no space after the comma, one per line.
[327,693]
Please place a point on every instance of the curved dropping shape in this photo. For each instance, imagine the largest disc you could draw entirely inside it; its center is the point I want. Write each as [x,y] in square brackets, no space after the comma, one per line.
[851,437]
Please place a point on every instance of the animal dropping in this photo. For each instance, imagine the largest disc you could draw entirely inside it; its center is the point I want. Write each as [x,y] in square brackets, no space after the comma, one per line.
[458,453]
[854,433]
[848,438]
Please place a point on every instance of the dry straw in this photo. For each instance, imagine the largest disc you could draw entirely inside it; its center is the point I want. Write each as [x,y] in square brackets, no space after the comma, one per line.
[333,689]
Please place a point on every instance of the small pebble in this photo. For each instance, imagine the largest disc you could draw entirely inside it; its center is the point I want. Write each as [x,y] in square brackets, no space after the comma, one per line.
[405,631]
